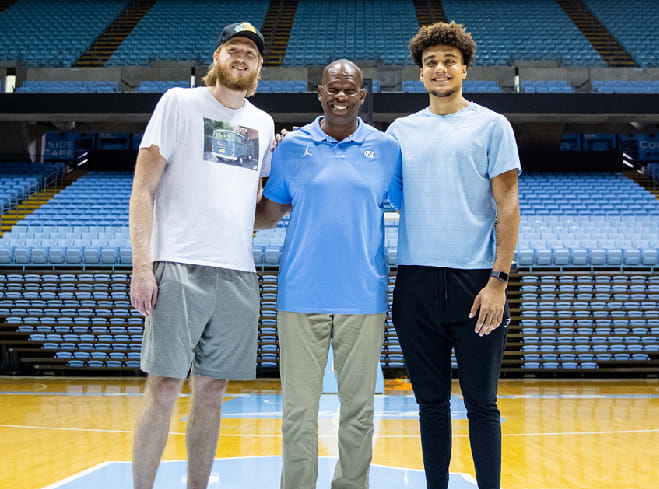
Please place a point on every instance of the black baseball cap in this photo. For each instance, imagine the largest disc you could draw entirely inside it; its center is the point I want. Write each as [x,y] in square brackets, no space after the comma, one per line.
[242,29]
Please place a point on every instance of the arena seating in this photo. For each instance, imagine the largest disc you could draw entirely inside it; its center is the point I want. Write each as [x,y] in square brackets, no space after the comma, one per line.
[468,86]
[653,171]
[19,180]
[50,33]
[324,30]
[586,320]
[68,87]
[184,30]
[179,30]
[547,86]
[634,25]
[86,223]
[84,320]
[624,86]
[586,220]
[161,86]
[73,319]
[509,31]
[282,86]
[584,299]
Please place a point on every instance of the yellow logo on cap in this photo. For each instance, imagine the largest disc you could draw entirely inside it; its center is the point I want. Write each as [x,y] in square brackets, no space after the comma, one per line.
[245,26]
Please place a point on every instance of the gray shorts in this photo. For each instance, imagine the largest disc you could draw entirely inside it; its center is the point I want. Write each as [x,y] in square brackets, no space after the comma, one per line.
[205,317]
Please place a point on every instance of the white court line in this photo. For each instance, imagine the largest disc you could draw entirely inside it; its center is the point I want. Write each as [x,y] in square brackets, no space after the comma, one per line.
[78,475]
[378,396]
[415,435]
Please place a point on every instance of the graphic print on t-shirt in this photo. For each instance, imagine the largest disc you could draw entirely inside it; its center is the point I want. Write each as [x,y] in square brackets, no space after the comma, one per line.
[231,144]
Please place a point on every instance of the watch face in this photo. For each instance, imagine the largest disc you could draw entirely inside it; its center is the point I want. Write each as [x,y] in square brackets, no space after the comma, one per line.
[503,276]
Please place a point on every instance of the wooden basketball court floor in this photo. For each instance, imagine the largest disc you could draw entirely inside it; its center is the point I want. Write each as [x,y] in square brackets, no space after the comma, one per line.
[74,433]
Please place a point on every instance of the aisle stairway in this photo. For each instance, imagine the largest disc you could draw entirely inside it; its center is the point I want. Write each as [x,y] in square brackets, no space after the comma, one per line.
[103,48]
[645,181]
[429,11]
[597,34]
[5,4]
[277,30]
[35,201]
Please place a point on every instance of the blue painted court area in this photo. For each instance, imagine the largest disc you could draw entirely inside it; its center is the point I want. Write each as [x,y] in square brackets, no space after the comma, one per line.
[247,472]
[386,406]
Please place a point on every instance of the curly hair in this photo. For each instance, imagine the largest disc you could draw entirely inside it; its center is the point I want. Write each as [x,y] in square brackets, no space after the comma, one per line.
[442,34]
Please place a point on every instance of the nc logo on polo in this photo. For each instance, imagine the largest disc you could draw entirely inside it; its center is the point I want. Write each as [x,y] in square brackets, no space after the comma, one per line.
[369,154]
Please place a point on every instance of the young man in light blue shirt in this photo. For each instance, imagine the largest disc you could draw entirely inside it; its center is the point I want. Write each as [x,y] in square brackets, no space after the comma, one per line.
[459,216]
[333,174]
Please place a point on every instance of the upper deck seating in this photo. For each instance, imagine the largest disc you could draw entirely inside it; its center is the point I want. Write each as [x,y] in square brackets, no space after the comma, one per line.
[185,30]
[510,31]
[634,23]
[325,30]
[54,33]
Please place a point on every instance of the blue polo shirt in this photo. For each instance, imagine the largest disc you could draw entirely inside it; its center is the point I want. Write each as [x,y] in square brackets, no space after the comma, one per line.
[333,259]
[448,209]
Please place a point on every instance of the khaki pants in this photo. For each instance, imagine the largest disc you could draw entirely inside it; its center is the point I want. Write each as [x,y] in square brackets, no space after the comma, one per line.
[304,340]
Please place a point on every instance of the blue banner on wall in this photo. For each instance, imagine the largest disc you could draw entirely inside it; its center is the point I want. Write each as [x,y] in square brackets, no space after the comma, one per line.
[648,147]
[60,146]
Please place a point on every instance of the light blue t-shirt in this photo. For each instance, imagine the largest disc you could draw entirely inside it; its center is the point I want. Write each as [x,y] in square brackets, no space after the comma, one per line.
[448,210]
[333,258]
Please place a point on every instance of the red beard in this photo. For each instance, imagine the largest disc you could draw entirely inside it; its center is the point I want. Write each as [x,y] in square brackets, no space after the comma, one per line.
[235,81]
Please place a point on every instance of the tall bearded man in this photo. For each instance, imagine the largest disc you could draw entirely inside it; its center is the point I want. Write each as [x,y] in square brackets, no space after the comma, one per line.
[196,182]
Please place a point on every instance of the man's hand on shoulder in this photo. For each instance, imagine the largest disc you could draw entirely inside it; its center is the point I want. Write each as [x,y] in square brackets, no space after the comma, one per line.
[280,137]
[143,290]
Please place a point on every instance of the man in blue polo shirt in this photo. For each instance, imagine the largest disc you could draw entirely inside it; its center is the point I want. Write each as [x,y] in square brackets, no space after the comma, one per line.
[458,228]
[333,174]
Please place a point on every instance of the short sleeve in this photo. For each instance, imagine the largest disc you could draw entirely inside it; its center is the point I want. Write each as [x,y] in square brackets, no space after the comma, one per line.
[277,188]
[391,130]
[267,157]
[163,127]
[502,154]
[395,191]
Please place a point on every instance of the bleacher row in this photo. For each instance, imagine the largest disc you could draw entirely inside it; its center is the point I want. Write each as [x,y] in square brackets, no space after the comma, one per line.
[85,223]
[34,86]
[50,33]
[86,320]
[41,33]
[300,86]
[585,320]
[625,86]
[18,181]
[542,32]
[75,319]
[574,320]
[184,30]
[638,34]
[588,220]
[468,86]
[355,29]
[569,321]
[574,219]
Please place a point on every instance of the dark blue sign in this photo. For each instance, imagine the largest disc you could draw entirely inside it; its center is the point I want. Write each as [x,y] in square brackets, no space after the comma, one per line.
[59,146]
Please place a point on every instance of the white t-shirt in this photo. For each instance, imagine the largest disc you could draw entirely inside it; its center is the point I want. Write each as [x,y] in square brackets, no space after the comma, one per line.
[204,206]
